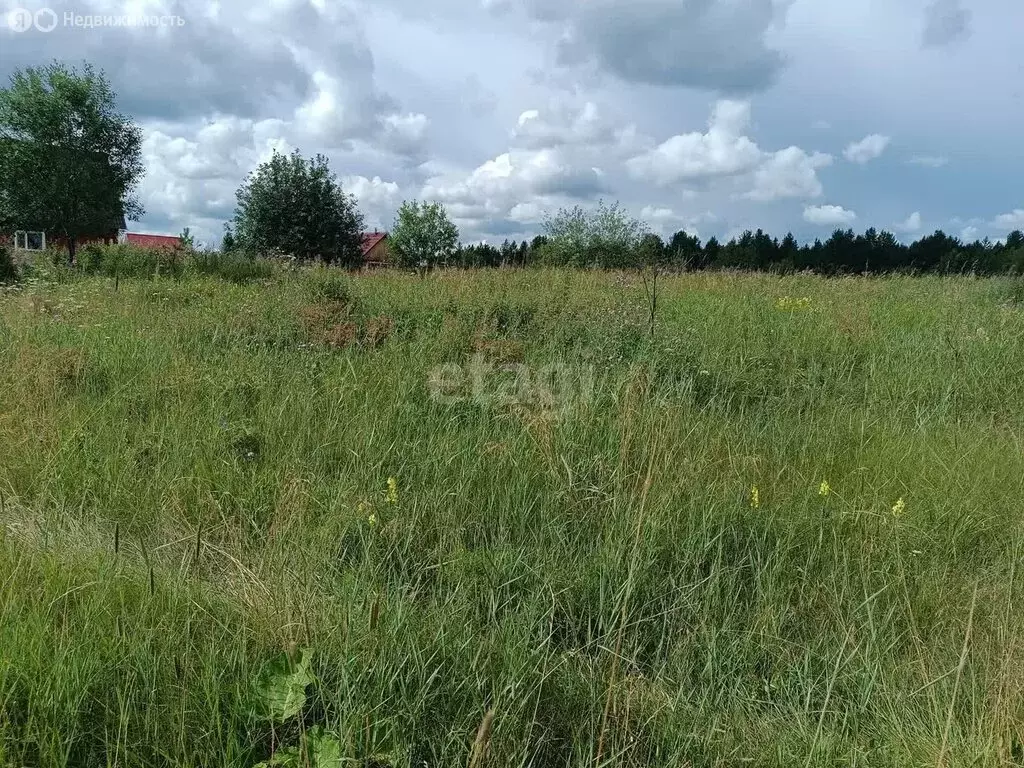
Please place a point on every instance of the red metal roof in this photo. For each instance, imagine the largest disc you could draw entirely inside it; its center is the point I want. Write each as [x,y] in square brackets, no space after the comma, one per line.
[153,241]
[370,240]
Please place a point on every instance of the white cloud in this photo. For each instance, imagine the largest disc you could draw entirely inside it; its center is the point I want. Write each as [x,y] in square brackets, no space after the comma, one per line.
[969,234]
[867,149]
[564,124]
[722,151]
[514,187]
[191,180]
[666,222]
[341,109]
[378,199]
[828,215]
[789,173]
[1009,221]
[527,213]
[911,224]
[566,153]
[404,134]
[373,191]
[929,161]
[527,116]
[651,213]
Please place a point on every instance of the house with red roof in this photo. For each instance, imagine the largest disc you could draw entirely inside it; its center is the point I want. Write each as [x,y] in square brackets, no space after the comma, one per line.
[151,241]
[375,249]
[31,238]
[374,244]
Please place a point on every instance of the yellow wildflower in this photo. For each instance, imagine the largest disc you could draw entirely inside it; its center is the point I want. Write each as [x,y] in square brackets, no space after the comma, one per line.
[788,303]
[391,496]
[899,507]
[824,489]
[372,520]
[755,497]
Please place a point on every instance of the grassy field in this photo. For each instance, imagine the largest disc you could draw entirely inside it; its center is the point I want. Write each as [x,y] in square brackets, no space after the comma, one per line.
[320,518]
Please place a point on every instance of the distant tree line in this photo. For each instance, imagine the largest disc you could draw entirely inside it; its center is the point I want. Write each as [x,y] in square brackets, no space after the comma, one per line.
[844,252]
[608,237]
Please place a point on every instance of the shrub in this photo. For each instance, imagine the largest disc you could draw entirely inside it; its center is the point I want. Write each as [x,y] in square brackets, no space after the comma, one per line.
[126,260]
[91,258]
[235,267]
[1015,296]
[8,269]
[332,288]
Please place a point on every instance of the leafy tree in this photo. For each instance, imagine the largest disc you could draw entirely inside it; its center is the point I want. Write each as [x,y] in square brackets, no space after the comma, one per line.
[841,252]
[883,252]
[479,255]
[712,251]
[187,240]
[1003,257]
[69,161]
[294,206]
[738,253]
[766,250]
[423,234]
[928,253]
[788,253]
[616,237]
[227,244]
[567,238]
[532,252]
[651,251]
[604,237]
[523,257]
[685,252]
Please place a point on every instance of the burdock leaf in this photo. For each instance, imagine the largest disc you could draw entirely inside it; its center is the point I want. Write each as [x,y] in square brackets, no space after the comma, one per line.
[324,749]
[282,685]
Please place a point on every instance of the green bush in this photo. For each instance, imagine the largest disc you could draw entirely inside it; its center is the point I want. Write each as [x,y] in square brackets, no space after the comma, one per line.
[235,267]
[126,260]
[91,258]
[328,286]
[8,269]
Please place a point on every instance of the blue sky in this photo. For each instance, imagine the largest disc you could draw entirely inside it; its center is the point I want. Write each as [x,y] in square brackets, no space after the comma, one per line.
[707,115]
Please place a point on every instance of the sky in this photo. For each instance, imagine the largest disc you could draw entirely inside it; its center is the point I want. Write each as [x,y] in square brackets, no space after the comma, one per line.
[710,116]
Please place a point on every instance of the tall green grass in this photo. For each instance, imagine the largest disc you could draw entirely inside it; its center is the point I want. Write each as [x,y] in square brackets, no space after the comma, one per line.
[195,480]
